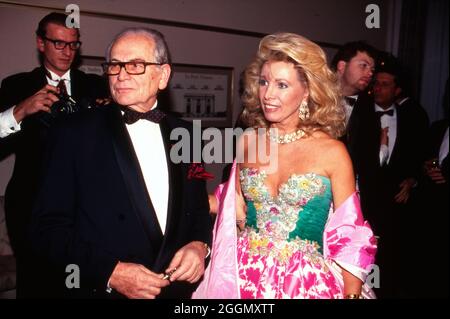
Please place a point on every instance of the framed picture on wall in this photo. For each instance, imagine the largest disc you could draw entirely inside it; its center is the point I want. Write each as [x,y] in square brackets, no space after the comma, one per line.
[91,64]
[194,92]
[199,92]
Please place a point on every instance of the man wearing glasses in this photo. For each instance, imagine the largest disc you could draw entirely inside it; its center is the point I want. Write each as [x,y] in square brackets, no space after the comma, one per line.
[26,101]
[135,222]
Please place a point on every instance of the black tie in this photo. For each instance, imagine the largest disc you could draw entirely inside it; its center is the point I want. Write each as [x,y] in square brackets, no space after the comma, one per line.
[130,116]
[388,113]
[61,84]
[350,100]
[62,88]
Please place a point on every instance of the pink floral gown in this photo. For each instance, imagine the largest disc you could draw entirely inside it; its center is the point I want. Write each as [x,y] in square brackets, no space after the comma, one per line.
[280,251]
[295,245]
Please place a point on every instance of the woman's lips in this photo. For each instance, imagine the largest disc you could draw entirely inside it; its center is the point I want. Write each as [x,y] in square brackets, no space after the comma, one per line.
[270,108]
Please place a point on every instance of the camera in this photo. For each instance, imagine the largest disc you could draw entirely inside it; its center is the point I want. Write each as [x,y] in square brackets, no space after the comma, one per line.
[65,105]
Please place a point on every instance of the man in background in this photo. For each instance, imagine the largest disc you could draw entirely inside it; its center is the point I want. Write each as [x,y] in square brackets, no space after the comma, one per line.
[28,107]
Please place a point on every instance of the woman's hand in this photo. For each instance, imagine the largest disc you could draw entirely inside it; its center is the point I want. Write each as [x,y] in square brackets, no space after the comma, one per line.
[213,204]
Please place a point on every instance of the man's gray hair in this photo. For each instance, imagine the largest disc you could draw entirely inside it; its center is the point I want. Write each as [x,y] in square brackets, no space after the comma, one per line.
[161,50]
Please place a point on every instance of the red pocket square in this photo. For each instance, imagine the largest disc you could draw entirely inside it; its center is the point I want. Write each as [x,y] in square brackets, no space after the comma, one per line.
[197,170]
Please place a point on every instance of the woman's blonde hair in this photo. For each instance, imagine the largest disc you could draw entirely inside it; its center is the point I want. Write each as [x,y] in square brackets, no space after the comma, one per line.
[324,100]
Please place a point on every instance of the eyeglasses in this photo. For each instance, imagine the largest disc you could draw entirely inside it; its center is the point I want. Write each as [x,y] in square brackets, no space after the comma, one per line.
[131,67]
[61,45]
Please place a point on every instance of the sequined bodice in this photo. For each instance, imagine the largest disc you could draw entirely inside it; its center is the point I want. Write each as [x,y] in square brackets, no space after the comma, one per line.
[298,212]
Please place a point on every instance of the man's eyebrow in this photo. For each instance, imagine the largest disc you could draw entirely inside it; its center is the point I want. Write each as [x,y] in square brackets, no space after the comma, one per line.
[132,60]
[369,63]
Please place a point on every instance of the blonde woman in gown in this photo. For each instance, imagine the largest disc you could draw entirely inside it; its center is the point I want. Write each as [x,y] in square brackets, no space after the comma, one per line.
[301,230]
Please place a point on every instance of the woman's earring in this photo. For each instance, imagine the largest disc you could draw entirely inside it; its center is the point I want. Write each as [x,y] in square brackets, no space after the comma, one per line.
[303,111]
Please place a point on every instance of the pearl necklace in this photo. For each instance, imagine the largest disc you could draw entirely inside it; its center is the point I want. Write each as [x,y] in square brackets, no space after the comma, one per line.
[286,138]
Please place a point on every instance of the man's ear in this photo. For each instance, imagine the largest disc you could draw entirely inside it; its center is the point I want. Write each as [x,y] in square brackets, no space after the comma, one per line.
[165,76]
[398,90]
[40,44]
[340,67]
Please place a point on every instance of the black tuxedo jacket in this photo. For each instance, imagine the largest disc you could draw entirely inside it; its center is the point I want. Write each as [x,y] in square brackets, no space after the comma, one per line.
[380,184]
[435,197]
[93,209]
[360,138]
[406,157]
[417,117]
[28,144]
[360,134]
[408,152]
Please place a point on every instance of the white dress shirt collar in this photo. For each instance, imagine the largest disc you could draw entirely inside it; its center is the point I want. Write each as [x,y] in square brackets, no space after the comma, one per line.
[380,109]
[56,77]
[54,80]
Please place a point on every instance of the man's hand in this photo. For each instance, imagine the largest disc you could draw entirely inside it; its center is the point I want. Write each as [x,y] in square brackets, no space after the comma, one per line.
[136,281]
[384,136]
[103,101]
[405,189]
[42,100]
[434,172]
[189,262]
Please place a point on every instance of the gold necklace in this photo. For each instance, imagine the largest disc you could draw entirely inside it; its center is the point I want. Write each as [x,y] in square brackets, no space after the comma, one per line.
[286,138]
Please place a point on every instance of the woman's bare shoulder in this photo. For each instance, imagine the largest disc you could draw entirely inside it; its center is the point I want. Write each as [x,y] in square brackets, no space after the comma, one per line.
[326,140]
[328,146]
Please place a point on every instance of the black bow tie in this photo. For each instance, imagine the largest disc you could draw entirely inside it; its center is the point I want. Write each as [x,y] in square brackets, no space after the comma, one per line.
[350,100]
[388,113]
[131,116]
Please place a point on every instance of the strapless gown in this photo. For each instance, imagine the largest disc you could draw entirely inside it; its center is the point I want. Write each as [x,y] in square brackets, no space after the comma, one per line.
[294,245]
[280,251]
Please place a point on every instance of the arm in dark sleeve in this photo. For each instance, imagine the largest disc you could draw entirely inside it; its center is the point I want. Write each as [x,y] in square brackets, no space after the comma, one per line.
[200,220]
[56,233]
[98,86]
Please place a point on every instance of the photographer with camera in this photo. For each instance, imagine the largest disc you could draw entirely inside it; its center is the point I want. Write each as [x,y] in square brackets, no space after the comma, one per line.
[29,103]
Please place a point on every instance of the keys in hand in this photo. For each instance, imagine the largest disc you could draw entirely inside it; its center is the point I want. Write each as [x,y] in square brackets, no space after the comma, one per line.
[168,274]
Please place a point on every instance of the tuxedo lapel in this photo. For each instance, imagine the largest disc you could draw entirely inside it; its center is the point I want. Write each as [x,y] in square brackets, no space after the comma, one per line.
[39,79]
[396,150]
[134,181]
[78,86]
[75,85]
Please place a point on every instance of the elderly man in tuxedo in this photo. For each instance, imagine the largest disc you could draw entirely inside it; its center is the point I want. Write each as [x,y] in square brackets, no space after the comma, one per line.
[26,103]
[113,202]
